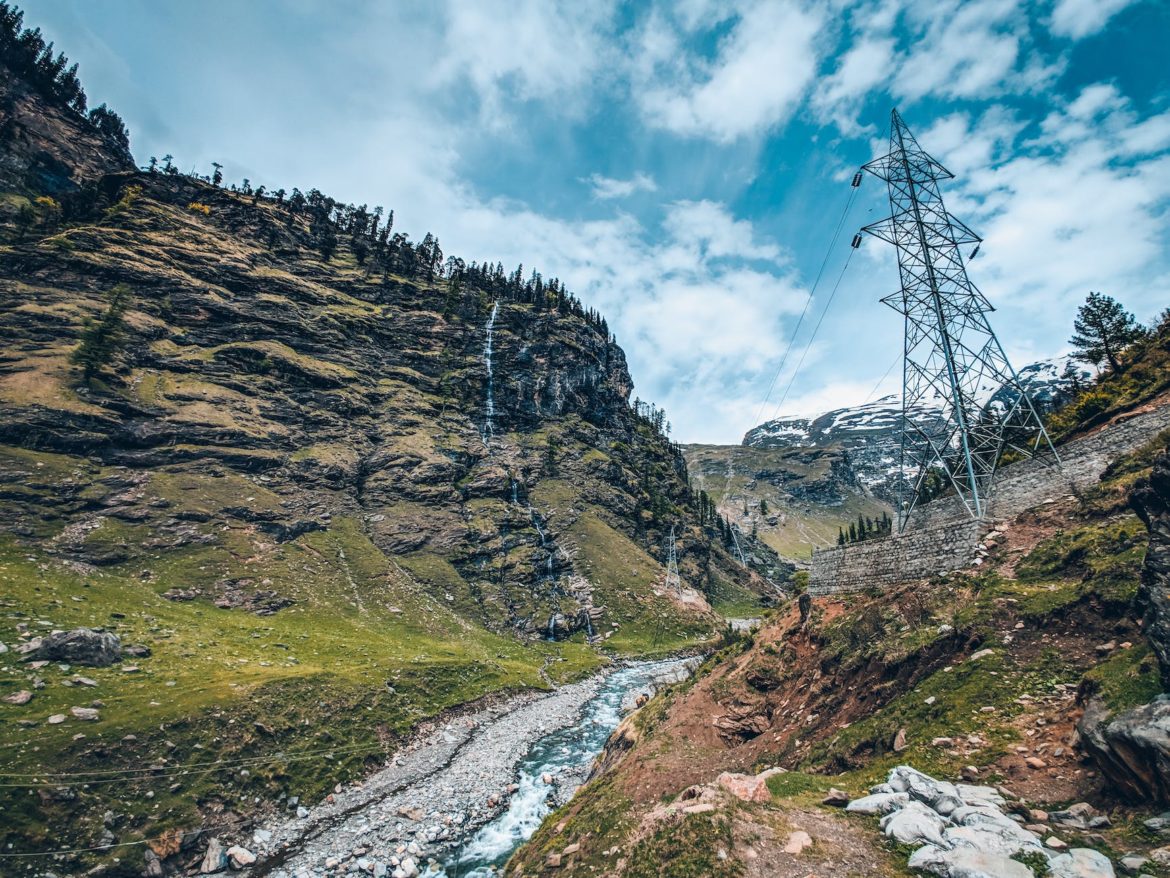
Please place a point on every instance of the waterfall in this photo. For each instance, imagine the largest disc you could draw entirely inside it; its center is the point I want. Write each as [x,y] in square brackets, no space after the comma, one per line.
[552,627]
[515,496]
[490,404]
[536,523]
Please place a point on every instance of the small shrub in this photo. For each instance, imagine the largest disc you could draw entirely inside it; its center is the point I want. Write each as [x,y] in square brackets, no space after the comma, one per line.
[199,207]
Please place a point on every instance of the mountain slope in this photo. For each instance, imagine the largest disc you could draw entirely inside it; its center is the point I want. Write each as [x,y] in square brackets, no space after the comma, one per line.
[302,479]
[979,676]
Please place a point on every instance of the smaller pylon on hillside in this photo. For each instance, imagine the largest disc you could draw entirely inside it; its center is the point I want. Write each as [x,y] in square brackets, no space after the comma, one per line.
[672,577]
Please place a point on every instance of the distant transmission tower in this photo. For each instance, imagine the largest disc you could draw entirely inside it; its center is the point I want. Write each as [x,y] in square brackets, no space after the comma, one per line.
[952,356]
[672,577]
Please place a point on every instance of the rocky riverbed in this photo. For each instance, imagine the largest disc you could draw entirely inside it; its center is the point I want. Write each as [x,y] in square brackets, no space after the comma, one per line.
[468,791]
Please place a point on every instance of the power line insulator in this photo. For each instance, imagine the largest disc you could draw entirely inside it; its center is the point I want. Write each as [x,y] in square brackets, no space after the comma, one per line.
[857,179]
[856,241]
[975,252]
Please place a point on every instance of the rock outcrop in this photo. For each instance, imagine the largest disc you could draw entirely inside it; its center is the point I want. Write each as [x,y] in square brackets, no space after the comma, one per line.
[1133,747]
[81,646]
[1150,499]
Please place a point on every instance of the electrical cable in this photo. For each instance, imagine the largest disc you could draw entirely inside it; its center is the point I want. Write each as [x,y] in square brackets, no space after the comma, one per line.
[816,329]
[792,339]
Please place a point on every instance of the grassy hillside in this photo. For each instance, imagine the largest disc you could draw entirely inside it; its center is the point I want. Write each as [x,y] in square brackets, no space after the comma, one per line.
[283,478]
[796,499]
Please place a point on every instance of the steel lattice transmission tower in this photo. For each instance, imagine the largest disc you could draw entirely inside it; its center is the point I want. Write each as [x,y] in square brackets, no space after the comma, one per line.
[952,356]
[672,577]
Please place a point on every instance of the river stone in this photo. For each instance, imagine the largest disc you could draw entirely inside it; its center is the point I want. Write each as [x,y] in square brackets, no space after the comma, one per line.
[1080,863]
[240,856]
[966,862]
[81,646]
[878,803]
[215,860]
[915,824]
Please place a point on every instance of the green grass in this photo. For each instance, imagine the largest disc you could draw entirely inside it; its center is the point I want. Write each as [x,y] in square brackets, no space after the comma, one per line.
[316,676]
[687,849]
[1128,678]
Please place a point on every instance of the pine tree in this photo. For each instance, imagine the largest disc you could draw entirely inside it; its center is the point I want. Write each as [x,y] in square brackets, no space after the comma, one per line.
[1104,329]
[840,537]
[101,338]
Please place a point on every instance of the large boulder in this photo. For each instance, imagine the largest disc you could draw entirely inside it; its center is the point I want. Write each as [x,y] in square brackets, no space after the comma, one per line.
[967,862]
[1150,499]
[81,646]
[1132,749]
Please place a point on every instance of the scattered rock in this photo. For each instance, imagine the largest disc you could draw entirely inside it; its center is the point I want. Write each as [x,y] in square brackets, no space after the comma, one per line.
[1080,863]
[1035,762]
[1132,864]
[1055,843]
[966,862]
[797,842]
[878,803]
[239,857]
[915,824]
[983,653]
[21,697]
[747,787]
[56,719]
[81,646]
[85,713]
[836,798]
[215,860]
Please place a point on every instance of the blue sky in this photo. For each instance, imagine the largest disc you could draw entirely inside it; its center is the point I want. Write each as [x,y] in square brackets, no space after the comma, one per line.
[683,165]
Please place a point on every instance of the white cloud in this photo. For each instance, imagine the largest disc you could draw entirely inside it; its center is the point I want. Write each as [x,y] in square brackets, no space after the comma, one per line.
[605,188]
[868,63]
[1078,19]
[762,70]
[966,49]
[523,49]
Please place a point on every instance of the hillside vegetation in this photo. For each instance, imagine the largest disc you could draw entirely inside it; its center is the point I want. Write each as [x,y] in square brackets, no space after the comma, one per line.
[979,676]
[252,435]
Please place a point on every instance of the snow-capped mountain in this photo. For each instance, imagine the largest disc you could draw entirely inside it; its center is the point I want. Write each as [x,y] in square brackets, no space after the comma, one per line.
[870,433]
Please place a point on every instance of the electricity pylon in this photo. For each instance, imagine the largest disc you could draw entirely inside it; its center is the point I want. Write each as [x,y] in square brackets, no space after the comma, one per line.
[672,577]
[952,357]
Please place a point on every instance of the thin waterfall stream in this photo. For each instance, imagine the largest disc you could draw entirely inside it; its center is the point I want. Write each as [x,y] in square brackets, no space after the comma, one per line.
[490,403]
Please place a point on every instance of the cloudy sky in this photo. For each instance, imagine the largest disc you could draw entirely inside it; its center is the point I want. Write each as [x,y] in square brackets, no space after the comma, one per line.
[683,165]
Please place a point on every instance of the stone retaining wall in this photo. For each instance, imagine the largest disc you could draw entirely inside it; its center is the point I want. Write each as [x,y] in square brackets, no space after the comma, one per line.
[945,538]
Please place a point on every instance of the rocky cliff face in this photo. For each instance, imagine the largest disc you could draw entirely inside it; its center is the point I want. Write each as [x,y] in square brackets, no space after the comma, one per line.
[1151,501]
[47,149]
